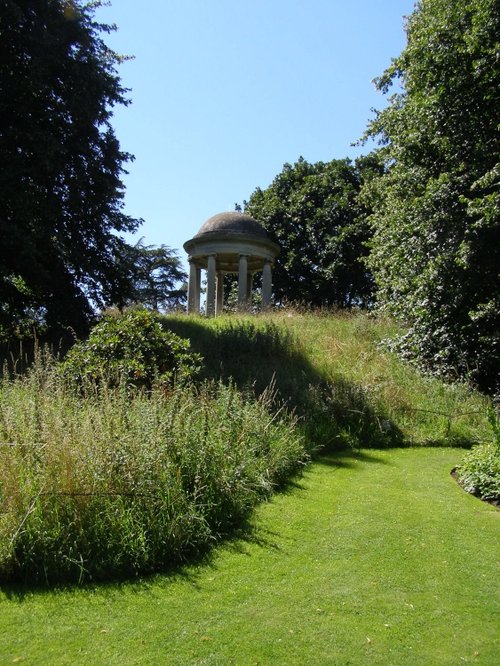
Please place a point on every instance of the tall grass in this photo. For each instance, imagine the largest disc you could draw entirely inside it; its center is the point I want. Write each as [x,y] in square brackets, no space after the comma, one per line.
[351,348]
[104,483]
[335,372]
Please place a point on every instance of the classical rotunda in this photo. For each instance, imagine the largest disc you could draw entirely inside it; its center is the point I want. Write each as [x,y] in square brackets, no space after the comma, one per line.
[229,243]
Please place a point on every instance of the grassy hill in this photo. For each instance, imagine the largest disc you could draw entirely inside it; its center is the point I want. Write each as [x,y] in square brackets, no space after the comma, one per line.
[372,554]
[333,370]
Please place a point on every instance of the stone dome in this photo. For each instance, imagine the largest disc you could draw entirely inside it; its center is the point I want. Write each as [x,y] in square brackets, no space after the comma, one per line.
[230,242]
[232,222]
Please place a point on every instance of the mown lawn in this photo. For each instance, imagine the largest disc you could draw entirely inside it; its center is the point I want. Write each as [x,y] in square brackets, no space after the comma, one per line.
[370,558]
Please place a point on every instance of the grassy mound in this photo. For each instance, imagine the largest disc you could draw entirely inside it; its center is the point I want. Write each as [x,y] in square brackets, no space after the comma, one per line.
[334,371]
[105,480]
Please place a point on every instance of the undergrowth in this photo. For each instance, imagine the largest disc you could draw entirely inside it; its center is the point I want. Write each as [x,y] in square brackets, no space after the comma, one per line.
[131,346]
[479,471]
[105,483]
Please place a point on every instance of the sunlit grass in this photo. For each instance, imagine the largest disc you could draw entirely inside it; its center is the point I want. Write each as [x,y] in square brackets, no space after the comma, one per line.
[425,409]
[377,557]
[370,395]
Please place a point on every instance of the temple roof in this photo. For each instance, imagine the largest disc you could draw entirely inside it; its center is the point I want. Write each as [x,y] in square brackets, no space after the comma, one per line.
[232,222]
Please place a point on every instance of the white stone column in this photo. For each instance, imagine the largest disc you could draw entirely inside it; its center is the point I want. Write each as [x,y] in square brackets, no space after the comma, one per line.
[219,298]
[210,305]
[197,289]
[267,284]
[242,281]
[193,289]
[249,288]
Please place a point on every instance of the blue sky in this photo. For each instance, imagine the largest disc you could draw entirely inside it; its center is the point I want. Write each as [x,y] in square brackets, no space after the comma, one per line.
[224,92]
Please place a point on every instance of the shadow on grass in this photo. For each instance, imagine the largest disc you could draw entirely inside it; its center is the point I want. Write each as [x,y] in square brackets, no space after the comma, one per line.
[21,592]
[348,459]
[187,569]
[333,413]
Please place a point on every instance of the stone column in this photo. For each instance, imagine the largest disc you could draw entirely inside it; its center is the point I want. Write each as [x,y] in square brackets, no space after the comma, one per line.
[267,284]
[197,291]
[249,288]
[219,298]
[242,281]
[193,288]
[210,305]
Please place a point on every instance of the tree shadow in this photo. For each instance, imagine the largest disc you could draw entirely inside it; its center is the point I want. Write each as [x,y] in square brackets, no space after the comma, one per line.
[348,459]
[187,568]
[332,412]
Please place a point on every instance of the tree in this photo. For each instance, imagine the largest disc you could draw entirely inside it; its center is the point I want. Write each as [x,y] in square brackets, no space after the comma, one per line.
[435,251]
[156,273]
[312,212]
[61,193]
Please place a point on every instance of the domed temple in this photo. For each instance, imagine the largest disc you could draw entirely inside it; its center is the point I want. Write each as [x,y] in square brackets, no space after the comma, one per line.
[229,243]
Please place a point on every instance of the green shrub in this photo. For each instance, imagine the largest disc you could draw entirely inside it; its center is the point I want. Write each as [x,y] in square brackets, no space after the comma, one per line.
[115,483]
[479,472]
[494,422]
[132,346]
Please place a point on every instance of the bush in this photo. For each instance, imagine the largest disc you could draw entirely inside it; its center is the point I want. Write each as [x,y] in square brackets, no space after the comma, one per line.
[133,346]
[114,483]
[479,472]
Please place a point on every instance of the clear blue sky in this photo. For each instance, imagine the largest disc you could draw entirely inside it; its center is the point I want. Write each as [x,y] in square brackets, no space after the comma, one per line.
[224,92]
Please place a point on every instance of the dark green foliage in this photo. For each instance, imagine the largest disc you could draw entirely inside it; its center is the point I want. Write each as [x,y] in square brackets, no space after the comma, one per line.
[312,212]
[60,167]
[479,472]
[436,247]
[156,273]
[134,347]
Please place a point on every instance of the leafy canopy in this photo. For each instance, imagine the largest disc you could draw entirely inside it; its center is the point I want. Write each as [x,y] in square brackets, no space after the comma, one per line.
[435,250]
[312,212]
[61,192]
[158,280]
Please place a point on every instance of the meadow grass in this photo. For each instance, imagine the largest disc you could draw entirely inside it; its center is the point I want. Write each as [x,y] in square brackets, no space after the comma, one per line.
[372,557]
[100,483]
[335,371]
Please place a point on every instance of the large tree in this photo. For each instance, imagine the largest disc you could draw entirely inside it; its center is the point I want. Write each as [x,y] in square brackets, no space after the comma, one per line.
[60,165]
[312,212]
[435,252]
[158,280]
